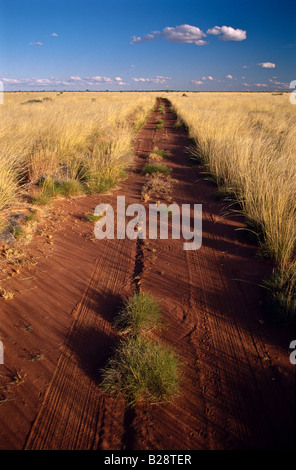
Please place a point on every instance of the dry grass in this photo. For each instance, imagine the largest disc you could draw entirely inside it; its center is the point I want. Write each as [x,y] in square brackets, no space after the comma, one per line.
[157,186]
[248,143]
[71,137]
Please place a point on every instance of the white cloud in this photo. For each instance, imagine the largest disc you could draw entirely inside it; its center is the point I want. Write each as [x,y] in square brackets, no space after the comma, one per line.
[138,39]
[260,84]
[42,81]
[99,79]
[157,79]
[245,66]
[185,34]
[54,35]
[277,83]
[197,82]
[118,79]
[76,79]
[267,65]
[188,34]
[36,43]
[227,33]
[229,76]
[216,30]
[11,80]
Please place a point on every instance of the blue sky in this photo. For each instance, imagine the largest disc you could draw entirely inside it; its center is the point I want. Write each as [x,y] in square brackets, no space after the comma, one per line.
[147,44]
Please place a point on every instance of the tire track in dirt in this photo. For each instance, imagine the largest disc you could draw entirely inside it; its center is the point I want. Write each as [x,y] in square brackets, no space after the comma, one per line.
[75,414]
[70,416]
[243,399]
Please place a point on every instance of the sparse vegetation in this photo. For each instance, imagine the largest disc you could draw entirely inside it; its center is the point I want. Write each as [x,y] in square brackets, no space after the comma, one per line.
[157,153]
[140,313]
[142,370]
[91,217]
[6,295]
[152,168]
[16,230]
[157,186]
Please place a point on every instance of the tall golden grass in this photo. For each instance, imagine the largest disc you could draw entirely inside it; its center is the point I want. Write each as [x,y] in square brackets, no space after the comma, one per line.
[247,141]
[66,137]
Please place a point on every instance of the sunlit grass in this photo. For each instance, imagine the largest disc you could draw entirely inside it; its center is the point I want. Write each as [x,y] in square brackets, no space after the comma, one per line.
[81,141]
[247,142]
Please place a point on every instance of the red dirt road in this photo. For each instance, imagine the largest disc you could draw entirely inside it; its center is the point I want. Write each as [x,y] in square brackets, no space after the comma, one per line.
[238,385]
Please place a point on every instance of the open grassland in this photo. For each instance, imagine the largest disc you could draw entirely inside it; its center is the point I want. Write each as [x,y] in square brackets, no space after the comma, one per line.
[67,143]
[62,144]
[247,142]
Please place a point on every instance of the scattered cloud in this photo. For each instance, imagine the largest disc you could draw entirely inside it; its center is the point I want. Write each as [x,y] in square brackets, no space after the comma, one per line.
[146,38]
[99,79]
[197,82]
[54,35]
[157,79]
[207,78]
[185,34]
[267,65]
[11,80]
[260,84]
[188,34]
[36,43]
[72,81]
[279,84]
[229,76]
[227,33]
[245,66]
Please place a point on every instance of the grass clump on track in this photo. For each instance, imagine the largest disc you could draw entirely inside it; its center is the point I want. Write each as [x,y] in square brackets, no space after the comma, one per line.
[140,313]
[142,370]
[152,168]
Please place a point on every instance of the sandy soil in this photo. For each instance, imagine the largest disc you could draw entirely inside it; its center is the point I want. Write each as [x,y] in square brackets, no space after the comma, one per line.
[238,385]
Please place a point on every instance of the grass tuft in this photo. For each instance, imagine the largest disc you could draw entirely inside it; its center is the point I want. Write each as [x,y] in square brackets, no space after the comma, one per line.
[141,370]
[140,313]
[91,217]
[152,168]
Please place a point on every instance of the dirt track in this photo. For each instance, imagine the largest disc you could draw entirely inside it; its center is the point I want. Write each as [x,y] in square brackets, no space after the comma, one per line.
[238,386]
